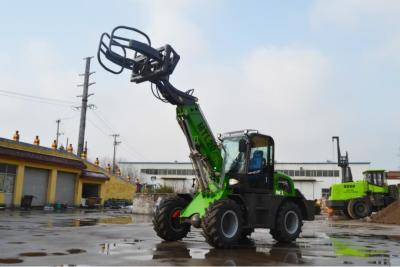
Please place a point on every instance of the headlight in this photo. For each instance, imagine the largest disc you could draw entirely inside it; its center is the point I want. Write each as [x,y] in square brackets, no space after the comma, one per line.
[233,181]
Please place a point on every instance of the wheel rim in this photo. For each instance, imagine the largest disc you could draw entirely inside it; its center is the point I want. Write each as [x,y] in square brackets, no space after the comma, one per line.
[229,224]
[360,209]
[291,222]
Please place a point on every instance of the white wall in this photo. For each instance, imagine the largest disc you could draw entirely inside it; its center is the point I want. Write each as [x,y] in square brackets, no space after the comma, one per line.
[311,187]
[181,183]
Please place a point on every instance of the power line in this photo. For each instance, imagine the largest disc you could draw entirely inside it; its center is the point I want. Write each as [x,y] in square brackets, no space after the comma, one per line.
[37,100]
[36,97]
[98,128]
[103,120]
[126,146]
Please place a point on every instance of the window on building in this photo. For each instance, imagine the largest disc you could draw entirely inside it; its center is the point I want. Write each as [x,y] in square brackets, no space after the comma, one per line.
[330,173]
[336,173]
[324,173]
[324,192]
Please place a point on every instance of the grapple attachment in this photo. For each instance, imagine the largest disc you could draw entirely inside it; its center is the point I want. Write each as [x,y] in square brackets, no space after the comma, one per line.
[145,62]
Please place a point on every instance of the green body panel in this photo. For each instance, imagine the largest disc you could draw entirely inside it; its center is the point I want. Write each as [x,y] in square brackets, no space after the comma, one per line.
[347,191]
[201,201]
[279,176]
[351,190]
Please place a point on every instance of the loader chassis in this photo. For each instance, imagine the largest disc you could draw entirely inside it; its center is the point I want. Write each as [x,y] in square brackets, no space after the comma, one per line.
[360,198]
[237,187]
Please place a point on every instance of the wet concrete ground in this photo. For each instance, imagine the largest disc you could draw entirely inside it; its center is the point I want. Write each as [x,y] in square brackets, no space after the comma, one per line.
[115,238]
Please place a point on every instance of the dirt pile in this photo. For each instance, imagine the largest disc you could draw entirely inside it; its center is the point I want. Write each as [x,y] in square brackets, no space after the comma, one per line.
[389,215]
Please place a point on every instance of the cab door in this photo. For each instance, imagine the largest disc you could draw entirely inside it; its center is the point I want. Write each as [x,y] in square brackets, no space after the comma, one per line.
[260,167]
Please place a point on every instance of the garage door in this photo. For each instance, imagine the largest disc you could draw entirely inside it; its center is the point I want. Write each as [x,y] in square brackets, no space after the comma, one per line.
[35,184]
[65,188]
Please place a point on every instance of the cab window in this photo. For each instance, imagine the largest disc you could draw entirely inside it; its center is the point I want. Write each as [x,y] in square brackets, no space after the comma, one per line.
[261,153]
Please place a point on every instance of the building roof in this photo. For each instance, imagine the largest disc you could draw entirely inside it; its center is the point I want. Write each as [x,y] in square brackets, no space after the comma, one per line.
[94,175]
[35,153]
[40,154]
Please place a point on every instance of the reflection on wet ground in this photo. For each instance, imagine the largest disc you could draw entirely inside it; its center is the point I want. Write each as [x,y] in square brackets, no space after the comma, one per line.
[180,252]
[10,260]
[117,238]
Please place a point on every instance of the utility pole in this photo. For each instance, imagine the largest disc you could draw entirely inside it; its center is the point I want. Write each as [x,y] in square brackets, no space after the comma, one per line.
[58,131]
[116,143]
[84,106]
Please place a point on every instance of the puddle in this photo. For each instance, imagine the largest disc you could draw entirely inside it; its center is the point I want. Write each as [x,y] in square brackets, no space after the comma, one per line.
[76,251]
[33,254]
[10,261]
[89,221]
[59,254]
[16,242]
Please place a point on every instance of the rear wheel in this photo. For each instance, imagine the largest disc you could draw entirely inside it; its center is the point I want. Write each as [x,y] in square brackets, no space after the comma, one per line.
[166,221]
[222,224]
[358,208]
[393,191]
[288,223]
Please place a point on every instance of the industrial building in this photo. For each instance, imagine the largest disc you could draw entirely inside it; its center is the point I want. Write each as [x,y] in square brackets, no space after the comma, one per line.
[53,176]
[312,178]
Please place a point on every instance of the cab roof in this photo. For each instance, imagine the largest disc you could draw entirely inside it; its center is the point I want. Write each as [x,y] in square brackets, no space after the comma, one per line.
[374,170]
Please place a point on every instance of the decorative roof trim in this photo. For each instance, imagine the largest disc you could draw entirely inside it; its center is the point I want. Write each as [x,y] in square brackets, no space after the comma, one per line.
[40,158]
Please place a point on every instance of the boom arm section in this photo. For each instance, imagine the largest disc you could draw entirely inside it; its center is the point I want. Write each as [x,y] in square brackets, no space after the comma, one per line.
[343,162]
[204,151]
[155,66]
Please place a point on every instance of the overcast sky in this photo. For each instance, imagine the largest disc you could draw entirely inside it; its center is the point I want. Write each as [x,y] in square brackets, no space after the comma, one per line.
[300,71]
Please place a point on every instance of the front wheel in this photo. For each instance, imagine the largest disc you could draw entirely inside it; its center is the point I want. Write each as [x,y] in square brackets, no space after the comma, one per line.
[288,223]
[222,223]
[358,208]
[166,221]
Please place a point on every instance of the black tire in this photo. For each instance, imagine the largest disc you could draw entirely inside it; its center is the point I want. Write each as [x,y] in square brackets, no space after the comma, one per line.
[222,224]
[166,219]
[393,192]
[359,208]
[288,223]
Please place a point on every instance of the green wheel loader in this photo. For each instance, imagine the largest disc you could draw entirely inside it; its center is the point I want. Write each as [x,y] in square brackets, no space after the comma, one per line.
[358,199]
[238,187]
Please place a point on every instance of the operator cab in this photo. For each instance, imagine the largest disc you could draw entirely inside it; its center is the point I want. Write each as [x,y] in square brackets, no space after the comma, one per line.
[375,177]
[248,160]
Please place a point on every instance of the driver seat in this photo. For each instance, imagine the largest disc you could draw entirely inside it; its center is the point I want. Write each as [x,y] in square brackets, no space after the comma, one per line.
[256,161]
